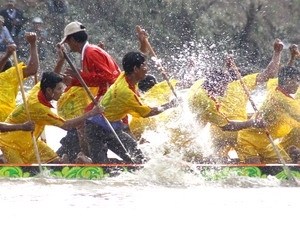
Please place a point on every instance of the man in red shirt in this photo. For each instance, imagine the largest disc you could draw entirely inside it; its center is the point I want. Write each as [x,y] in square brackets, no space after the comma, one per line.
[98,70]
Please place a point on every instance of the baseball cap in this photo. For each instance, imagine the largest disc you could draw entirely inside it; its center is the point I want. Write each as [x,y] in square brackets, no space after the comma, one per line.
[72,28]
[37,20]
[2,19]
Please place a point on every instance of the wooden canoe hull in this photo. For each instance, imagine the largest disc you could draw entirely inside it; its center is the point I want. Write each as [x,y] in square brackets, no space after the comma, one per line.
[99,171]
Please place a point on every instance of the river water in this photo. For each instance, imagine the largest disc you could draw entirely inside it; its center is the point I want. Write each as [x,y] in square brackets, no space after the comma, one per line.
[148,198]
[160,193]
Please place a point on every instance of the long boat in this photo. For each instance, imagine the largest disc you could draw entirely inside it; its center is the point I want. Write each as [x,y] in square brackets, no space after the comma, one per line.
[100,171]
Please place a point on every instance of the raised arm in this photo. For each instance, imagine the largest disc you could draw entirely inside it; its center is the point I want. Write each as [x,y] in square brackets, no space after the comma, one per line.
[33,61]
[273,67]
[143,38]
[61,59]
[294,53]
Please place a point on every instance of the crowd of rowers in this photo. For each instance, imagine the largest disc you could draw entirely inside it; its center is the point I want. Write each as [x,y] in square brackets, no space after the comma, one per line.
[127,102]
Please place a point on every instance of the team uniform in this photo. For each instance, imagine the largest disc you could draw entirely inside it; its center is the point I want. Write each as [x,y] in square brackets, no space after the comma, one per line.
[120,99]
[18,146]
[205,108]
[292,138]
[99,71]
[217,112]
[233,106]
[281,112]
[159,94]
[9,90]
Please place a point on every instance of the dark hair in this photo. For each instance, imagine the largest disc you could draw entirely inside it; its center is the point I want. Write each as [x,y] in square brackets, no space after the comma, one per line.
[132,59]
[80,36]
[288,72]
[49,80]
[215,77]
[7,65]
[147,83]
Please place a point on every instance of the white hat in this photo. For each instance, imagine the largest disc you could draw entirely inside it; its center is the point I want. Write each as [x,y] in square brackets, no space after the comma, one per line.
[72,28]
[37,20]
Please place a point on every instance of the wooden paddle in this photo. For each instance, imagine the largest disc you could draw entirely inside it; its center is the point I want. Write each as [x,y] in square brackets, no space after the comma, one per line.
[160,67]
[27,110]
[82,82]
[286,169]
[43,134]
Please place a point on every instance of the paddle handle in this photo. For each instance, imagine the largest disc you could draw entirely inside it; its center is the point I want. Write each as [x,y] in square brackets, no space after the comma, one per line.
[239,76]
[37,154]
[162,70]
[21,85]
[82,82]
[276,149]
[150,49]
[78,76]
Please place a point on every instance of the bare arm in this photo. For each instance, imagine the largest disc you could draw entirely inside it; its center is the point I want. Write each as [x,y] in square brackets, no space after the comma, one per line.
[239,125]
[273,67]
[162,108]
[76,122]
[61,59]
[33,62]
[294,53]
[6,127]
[9,51]
[143,38]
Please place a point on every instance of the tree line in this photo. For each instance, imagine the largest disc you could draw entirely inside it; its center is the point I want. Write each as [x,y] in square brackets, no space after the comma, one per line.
[180,29]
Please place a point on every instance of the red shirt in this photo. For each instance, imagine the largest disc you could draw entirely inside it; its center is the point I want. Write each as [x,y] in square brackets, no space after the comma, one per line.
[99,69]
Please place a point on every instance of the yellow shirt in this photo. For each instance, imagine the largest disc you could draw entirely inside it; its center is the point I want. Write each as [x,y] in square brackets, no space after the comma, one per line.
[18,146]
[234,103]
[73,102]
[9,89]
[272,83]
[231,106]
[281,112]
[159,94]
[204,107]
[122,99]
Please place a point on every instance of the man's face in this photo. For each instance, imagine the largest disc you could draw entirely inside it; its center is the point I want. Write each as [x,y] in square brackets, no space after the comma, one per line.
[10,4]
[142,71]
[73,45]
[58,90]
[37,26]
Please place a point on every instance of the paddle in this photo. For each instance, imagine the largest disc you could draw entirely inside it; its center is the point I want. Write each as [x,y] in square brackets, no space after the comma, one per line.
[160,67]
[78,76]
[36,151]
[43,134]
[286,169]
